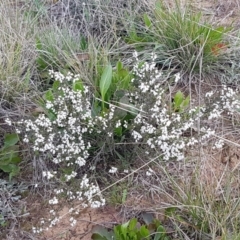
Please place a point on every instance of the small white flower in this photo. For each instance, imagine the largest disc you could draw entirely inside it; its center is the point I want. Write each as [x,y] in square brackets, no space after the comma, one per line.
[113,170]
[118,124]
[149,172]
[8,122]
[53,201]
[73,221]
[219,144]
[92,168]
[177,77]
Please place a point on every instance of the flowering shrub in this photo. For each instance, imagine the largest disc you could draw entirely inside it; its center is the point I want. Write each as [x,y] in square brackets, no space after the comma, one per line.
[72,136]
[62,133]
[158,127]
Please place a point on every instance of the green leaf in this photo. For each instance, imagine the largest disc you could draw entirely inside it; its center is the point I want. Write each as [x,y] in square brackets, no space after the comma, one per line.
[9,149]
[105,81]
[147,20]
[48,96]
[143,232]
[178,99]
[101,233]
[132,224]
[118,131]
[55,85]
[119,66]
[10,168]
[78,86]
[122,73]
[83,43]
[10,140]
[16,159]
[126,81]
[160,234]
[185,102]
[51,115]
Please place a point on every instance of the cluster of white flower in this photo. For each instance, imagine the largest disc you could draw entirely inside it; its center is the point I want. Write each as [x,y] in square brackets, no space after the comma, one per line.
[161,129]
[157,125]
[219,144]
[113,170]
[225,101]
[230,100]
[60,133]
[37,230]
[149,172]
[63,135]
[48,174]
[54,200]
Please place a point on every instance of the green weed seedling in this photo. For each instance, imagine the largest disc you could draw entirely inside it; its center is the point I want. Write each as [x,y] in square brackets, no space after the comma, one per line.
[9,157]
[133,230]
[112,84]
[180,102]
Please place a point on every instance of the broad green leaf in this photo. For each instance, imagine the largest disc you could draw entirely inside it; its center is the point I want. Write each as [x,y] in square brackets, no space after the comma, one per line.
[51,115]
[144,232]
[132,224]
[160,233]
[122,73]
[147,20]
[78,86]
[126,81]
[16,159]
[125,225]
[55,85]
[42,65]
[10,139]
[9,158]
[9,149]
[48,96]
[178,98]
[105,81]
[118,131]
[10,168]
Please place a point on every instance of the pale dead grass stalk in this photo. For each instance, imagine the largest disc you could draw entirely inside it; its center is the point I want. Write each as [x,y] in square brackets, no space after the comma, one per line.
[16,52]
